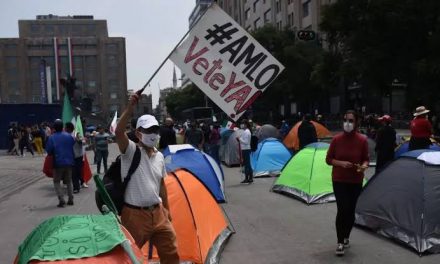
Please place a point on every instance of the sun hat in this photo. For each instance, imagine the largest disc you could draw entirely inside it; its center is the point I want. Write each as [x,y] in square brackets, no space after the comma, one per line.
[421,110]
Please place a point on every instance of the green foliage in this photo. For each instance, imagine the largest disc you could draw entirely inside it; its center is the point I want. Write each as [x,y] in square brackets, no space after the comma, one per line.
[181,99]
[383,40]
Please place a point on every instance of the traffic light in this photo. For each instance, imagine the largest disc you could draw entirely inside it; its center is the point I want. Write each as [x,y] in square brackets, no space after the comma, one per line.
[306,35]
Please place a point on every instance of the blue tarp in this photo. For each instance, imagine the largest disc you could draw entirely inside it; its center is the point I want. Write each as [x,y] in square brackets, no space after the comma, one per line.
[269,158]
[204,167]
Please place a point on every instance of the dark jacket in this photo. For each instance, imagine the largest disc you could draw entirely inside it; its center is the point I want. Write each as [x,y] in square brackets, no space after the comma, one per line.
[167,136]
[306,134]
[385,145]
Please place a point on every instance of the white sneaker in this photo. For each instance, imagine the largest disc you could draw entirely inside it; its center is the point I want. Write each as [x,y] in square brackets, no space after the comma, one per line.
[84,185]
[340,250]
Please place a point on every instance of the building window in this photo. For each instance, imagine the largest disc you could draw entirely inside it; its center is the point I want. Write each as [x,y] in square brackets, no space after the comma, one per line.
[113,95]
[255,5]
[247,13]
[257,23]
[267,15]
[290,19]
[113,85]
[111,48]
[278,6]
[112,61]
[10,46]
[280,25]
[35,28]
[91,61]
[11,62]
[306,8]
[114,108]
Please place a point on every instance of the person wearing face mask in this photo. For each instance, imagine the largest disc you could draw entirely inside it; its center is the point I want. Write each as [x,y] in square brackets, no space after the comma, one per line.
[145,213]
[245,146]
[421,130]
[348,154]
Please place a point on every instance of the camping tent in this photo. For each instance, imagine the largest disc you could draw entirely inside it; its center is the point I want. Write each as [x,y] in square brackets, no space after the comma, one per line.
[291,140]
[201,227]
[230,149]
[203,166]
[402,201]
[269,158]
[307,176]
[403,148]
[80,245]
[267,131]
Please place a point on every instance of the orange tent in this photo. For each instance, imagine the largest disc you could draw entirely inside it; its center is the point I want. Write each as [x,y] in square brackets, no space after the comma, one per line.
[200,224]
[115,256]
[291,140]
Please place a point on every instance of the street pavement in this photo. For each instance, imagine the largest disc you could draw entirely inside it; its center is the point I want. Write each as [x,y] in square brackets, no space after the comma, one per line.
[270,228]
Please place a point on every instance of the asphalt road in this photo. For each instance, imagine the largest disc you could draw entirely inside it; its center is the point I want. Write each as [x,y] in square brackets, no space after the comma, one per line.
[270,228]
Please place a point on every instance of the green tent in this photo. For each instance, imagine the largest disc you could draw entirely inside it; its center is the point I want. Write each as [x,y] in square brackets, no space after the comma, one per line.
[306,176]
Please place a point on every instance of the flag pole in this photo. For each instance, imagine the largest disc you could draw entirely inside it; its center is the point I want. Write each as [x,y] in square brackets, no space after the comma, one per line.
[139,92]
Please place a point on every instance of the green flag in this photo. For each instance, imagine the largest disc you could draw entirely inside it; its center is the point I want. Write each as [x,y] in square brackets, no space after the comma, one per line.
[79,127]
[71,237]
[67,110]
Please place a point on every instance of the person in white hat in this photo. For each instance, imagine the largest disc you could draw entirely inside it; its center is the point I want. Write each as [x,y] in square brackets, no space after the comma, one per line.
[145,213]
[421,130]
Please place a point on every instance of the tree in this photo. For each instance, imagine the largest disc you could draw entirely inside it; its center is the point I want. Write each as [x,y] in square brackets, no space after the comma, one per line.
[383,40]
[184,98]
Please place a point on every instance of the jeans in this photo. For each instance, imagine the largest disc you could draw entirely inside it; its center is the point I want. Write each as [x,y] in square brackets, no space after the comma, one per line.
[101,155]
[246,155]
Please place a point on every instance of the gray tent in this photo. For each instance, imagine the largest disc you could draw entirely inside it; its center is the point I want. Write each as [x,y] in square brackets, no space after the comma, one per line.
[402,202]
[267,131]
[229,151]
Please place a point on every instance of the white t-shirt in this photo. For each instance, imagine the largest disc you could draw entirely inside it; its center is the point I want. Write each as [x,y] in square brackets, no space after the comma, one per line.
[144,186]
[245,139]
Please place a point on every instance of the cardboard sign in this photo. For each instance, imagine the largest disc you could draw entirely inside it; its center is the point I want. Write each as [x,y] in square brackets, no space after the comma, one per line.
[226,63]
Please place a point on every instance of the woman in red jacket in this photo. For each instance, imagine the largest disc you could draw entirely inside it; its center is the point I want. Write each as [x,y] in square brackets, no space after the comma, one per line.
[348,154]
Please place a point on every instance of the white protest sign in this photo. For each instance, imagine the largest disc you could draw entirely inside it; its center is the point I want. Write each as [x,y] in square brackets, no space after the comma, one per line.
[226,63]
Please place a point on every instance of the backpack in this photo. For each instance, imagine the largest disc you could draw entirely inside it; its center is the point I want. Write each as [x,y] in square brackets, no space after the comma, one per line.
[113,184]
[254,143]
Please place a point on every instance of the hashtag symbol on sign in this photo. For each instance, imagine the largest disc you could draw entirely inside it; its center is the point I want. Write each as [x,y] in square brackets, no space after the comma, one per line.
[219,34]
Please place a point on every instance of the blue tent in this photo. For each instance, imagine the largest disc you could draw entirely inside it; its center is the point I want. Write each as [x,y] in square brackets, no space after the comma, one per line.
[203,166]
[269,158]
[403,148]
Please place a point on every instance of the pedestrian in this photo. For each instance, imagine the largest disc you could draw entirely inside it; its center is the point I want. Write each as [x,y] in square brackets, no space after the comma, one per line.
[10,138]
[194,136]
[145,213]
[245,145]
[214,142]
[25,141]
[101,145]
[421,130]
[167,134]
[16,140]
[38,139]
[306,132]
[60,145]
[385,143]
[348,154]
[78,152]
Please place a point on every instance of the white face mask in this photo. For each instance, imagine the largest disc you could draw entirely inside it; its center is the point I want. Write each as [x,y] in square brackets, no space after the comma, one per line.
[348,127]
[242,126]
[150,140]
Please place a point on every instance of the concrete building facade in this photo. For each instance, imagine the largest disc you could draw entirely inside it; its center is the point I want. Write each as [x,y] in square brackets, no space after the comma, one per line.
[54,47]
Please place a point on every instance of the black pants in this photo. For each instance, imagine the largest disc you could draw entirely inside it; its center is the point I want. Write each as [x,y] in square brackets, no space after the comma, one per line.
[246,154]
[28,145]
[77,178]
[346,197]
[101,155]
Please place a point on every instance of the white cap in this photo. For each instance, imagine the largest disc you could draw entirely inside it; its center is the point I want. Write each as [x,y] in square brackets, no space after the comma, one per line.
[146,121]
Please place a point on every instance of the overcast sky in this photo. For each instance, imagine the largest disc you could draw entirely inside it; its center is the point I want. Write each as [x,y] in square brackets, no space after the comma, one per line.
[151,29]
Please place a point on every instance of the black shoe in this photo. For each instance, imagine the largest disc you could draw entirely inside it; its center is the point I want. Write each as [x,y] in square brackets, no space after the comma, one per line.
[75,191]
[346,243]
[250,181]
[244,181]
[70,202]
[61,204]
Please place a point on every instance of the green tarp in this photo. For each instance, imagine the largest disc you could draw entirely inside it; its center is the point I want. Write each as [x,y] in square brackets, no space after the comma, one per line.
[307,176]
[71,237]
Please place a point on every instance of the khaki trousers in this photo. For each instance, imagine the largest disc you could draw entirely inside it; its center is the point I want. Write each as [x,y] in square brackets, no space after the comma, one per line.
[154,226]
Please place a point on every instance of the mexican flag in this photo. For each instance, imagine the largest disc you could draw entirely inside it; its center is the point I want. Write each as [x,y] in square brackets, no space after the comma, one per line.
[86,171]
[67,115]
